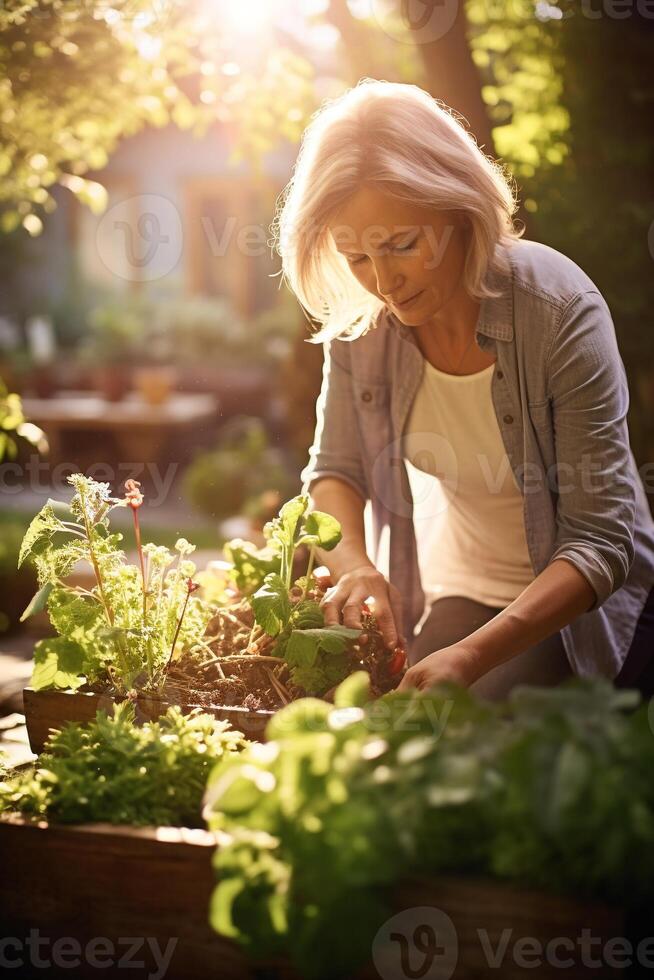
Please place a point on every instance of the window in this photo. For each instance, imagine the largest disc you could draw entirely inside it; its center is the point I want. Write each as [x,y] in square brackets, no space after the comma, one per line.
[226,223]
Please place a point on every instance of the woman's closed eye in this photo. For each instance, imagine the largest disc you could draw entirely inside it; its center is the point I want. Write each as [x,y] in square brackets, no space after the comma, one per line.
[398,249]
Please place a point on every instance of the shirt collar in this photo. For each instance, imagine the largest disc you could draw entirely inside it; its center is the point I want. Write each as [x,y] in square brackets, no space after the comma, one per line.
[496,312]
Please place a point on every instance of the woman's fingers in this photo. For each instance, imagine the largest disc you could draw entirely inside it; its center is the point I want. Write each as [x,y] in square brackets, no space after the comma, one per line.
[352,610]
[386,623]
[338,605]
[412,679]
[331,606]
[344,603]
[348,610]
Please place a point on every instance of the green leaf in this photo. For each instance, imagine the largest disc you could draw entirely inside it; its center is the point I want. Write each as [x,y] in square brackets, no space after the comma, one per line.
[308,615]
[250,564]
[41,529]
[321,530]
[271,605]
[38,602]
[302,648]
[354,692]
[57,663]
[70,612]
[570,776]
[333,639]
[282,528]
[304,715]
[221,907]
[328,670]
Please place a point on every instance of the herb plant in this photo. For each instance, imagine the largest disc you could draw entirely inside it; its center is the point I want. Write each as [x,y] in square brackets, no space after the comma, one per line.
[13,423]
[344,801]
[113,770]
[127,628]
[283,610]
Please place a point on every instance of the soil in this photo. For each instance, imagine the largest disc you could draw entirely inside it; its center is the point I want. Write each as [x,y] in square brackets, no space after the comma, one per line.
[236,666]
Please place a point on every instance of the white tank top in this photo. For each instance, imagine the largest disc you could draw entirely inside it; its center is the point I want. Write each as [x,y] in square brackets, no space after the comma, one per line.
[469,520]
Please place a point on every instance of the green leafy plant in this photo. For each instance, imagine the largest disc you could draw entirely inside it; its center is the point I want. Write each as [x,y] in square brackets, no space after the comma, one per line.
[283,611]
[276,632]
[233,477]
[16,588]
[129,626]
[116,333]
[113,770]
[345,801]
[14,424]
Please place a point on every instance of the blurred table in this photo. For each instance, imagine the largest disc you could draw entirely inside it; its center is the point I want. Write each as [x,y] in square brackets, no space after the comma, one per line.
[140,429]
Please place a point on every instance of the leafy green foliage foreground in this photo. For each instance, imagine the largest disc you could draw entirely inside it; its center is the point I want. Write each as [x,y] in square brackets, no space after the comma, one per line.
[115,771]
[125,630]
[553,789]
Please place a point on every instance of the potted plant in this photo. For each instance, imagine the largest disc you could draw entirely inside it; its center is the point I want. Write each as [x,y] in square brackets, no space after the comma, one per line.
[243,474]
[216,349]
[143,632]
[116,333]
[113,811]
[15,588]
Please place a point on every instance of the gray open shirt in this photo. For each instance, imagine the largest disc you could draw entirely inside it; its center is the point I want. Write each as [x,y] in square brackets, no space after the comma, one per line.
[560,395]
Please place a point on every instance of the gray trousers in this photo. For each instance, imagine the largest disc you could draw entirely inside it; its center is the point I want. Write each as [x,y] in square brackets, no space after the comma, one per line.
[453,618]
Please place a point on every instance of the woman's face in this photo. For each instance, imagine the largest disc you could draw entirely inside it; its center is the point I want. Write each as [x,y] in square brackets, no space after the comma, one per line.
[410,257]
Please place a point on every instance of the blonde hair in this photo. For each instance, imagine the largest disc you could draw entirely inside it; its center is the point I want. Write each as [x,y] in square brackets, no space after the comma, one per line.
[400,139]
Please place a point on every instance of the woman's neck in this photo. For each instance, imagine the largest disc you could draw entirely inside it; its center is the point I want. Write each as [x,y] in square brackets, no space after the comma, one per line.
[447,337]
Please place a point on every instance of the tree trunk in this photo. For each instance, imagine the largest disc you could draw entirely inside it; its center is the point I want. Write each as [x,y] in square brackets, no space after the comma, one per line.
[451,74]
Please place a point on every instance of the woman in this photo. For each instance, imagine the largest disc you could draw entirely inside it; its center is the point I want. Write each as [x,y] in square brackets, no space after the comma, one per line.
[489,363]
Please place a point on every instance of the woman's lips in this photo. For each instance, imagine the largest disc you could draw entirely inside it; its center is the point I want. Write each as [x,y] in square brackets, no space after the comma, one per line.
[408,302]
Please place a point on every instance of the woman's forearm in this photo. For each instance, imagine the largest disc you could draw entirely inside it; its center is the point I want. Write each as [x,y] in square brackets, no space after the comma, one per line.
[557,596]
[339,499]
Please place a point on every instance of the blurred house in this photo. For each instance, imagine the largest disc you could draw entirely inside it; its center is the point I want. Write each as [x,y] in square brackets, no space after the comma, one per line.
[179,218]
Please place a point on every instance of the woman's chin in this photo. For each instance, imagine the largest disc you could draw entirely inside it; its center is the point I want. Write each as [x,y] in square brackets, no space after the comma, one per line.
[410,318]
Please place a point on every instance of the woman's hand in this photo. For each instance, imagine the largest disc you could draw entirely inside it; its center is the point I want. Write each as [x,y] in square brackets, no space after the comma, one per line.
[450,665]
[344,602]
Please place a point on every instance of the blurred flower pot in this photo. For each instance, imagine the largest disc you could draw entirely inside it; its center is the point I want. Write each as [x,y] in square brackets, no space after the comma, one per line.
[42,380]
[113,381]
[155,384]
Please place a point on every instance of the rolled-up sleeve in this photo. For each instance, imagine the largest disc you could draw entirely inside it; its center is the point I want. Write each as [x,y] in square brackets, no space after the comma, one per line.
[336,449]
[594,476]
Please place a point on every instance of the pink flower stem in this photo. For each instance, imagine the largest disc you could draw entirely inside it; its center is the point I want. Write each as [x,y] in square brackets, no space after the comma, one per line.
[137,535]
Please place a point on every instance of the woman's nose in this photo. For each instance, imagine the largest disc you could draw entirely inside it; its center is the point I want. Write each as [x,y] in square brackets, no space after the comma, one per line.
[388,279]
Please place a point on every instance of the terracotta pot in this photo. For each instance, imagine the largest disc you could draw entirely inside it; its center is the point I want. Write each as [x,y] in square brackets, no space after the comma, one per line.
[113,381]
[155,384]
[42,380]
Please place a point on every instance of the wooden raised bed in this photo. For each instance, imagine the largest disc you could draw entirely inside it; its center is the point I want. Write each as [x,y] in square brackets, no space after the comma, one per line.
[98,880]
[50,709]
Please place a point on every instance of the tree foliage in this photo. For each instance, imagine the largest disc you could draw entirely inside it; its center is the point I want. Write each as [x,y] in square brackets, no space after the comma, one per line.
[76,77]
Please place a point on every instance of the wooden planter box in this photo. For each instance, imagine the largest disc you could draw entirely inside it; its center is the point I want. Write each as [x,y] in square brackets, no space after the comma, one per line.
[50,709]
[93,881]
